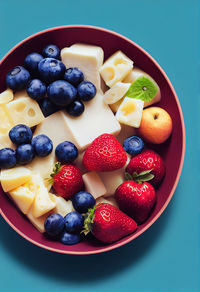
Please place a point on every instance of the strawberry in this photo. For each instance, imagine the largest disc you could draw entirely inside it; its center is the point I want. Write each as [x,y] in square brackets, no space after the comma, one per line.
[67,180]
[104,154]
[136,198]
[107,223]
[148,160]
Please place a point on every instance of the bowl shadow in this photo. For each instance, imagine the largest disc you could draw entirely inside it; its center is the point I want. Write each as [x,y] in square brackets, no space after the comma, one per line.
[68,268]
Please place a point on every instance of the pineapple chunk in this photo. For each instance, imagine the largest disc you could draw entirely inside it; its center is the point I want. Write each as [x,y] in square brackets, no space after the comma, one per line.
[63,207]
[13,178]
[42,203]
[23,198]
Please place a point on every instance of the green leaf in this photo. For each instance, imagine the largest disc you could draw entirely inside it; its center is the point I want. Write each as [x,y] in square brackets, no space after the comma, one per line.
[143,176]
[143,88]
[128,176]
[56,169]
[88,221]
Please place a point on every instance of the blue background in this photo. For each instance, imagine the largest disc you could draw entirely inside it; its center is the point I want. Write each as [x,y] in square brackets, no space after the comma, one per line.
[166,257]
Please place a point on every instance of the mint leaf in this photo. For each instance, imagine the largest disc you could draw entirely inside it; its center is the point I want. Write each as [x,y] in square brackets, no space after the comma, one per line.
[143,88]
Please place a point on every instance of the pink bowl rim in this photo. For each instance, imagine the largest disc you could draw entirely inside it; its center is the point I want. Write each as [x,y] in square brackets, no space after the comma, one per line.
[116,245]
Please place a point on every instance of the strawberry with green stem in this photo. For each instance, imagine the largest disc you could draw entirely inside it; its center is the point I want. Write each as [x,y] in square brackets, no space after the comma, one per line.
[66,180]
[107,223]
[136,197]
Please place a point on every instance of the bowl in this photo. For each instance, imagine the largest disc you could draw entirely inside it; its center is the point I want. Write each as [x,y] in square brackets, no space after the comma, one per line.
[174,148]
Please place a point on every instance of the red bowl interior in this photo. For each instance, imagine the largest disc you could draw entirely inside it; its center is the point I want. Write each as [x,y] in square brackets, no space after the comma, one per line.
[172,151]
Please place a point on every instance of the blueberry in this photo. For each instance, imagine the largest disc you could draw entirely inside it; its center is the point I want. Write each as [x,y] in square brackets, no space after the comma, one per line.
[61,92]
[31,62]
[70,238]
[74,76]
[25,154]
[76,108]
[17,78]
[51,51]
[86,90]
[73,222]
[82,201]
[66,152]
[133,145]
[51,69]
[54,224]
[7,158]
[48,107]
[42,145]
[20,134]
[36,89]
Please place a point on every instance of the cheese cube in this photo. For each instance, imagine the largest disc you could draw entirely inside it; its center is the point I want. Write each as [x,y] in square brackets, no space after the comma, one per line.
[87,58]
[38,222]
[6,96]
[13,178]
[116,92]
[62,207]
[55,127]
[130,112]
[112,179]
[116,68]
[25,110]
[23,198]
[42,203]
[137,73]
[97,119]
[93,184]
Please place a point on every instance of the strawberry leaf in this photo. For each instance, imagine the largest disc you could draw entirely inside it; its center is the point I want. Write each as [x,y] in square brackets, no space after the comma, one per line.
[128,176]
[56,169]
[143,176]
[88,221]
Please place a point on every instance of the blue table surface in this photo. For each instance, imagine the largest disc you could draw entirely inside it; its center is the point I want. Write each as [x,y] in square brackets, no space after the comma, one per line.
[166,257]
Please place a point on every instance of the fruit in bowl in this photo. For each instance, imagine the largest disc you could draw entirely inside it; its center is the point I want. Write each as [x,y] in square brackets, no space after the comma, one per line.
[78,108]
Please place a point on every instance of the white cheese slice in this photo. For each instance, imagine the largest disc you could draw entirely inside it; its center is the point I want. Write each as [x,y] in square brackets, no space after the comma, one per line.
[63,207]
[97,119]
[87,58]
[38,222]
[116,68]
[43,165]
[116,92]
[55,127]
